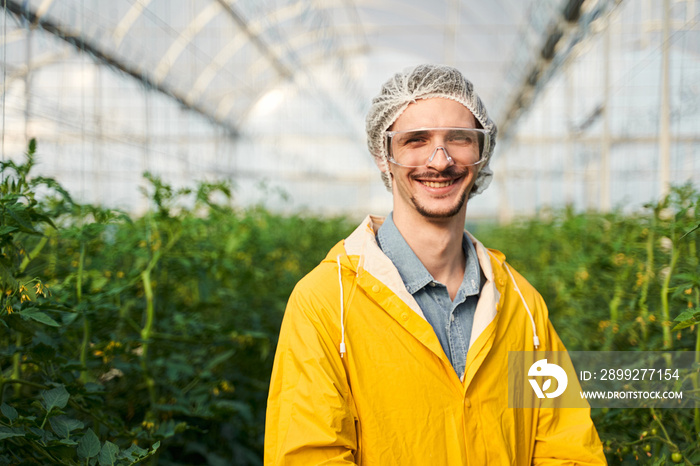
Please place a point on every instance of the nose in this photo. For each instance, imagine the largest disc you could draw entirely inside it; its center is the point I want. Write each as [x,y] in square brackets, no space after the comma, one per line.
[440,163]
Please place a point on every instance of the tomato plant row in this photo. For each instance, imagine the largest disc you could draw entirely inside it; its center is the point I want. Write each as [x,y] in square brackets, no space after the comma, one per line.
[151,339]
[621,282]
[132,338]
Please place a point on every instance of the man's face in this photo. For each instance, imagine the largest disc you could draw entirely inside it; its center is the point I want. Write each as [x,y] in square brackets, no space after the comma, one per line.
[440,189]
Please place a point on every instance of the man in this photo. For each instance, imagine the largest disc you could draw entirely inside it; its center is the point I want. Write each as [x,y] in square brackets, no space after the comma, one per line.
[394,350]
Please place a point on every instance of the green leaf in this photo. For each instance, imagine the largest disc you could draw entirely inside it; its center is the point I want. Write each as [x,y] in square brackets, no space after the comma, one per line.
[39,316]
[686,324]
[108,454]
[686,319]
[19,213]
[89,445]
[134,452]
[216,360]
[686,315]
[6,278]
[9,411]
[7,229]
[63,426]
[55,398]
[7,432]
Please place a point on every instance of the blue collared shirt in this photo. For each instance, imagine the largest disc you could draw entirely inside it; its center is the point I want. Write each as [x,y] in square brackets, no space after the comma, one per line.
[451,320]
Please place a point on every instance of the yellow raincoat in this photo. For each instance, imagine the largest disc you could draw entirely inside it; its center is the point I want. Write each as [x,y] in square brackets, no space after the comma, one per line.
[393,397]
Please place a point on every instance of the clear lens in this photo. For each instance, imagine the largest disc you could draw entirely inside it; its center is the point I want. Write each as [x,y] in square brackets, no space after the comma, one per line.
[417,147]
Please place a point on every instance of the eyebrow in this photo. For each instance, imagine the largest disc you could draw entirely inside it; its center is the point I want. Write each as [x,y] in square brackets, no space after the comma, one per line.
[419,132]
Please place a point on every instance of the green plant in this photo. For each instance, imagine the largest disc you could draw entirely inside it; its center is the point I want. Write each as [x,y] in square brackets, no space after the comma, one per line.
[623,282]
[151,337]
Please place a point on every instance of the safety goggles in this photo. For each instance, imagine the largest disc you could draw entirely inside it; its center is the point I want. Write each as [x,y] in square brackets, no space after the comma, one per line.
[418,147]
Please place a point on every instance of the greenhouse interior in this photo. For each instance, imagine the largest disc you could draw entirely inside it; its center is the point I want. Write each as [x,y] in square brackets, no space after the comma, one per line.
[172,168]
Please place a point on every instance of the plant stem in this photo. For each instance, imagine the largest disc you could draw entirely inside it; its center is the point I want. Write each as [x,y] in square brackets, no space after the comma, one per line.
[696,376]
[16,365]
[667,440]
[666,320]
[648,272]
[614,314]
[146,331]
[86,323]
[35,252]
[79,280]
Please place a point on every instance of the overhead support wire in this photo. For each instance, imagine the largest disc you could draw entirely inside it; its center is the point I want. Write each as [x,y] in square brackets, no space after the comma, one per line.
[22,11]
[571,24]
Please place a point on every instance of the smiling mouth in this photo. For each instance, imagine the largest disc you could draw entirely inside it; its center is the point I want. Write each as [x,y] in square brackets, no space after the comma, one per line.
[437,184]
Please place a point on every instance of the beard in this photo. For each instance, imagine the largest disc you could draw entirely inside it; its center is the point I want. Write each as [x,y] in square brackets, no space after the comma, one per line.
[450,172]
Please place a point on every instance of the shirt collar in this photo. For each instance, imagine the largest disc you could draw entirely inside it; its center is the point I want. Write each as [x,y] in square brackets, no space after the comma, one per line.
[413,273]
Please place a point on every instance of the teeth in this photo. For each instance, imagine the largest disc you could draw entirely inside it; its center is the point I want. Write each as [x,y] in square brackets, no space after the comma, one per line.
[433,184]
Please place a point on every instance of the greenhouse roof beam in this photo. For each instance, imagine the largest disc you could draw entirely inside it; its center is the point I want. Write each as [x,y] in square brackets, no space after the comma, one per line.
[46,59]
[230,49]
[570,27]
[128,20]
[284,72]
[255,39]
[170,57]
[86,46]
[43,8]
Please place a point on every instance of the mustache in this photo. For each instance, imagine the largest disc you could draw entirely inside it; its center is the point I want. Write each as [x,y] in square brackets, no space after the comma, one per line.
[449,172]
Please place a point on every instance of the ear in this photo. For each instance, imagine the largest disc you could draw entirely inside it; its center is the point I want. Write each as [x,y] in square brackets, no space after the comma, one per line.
[383,165]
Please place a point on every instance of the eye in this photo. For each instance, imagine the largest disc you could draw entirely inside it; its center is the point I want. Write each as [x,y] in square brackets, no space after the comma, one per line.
[462,137]
[413,139]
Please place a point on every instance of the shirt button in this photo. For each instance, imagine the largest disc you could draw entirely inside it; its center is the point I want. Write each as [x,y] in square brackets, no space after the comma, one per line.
[467,403]
[432,284]
[375,288]
[404,316]
[501,282]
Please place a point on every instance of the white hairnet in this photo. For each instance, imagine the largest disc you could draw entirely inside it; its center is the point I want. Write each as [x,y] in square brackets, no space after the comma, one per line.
[424,82]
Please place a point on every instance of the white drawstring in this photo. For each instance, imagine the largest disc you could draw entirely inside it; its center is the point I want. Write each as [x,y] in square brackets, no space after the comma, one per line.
[527,308]
[342,320]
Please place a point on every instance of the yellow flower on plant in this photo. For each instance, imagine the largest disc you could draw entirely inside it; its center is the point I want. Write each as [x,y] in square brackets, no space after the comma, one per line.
[41,289]
[227,387]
